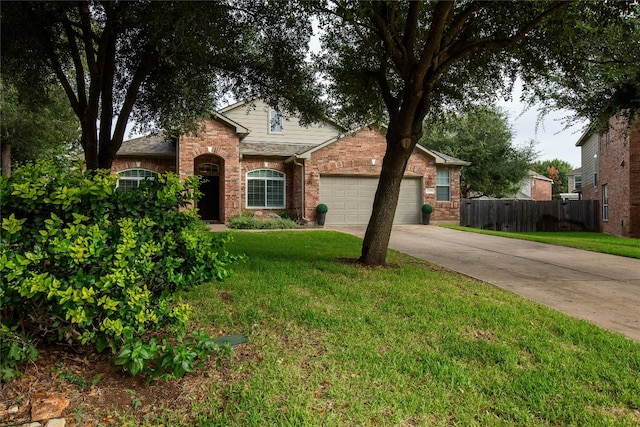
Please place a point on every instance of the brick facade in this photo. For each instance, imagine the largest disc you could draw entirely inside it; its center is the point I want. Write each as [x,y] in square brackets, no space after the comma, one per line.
[359,154]
[618,169]
[219,142]
[158,165]
[541,189]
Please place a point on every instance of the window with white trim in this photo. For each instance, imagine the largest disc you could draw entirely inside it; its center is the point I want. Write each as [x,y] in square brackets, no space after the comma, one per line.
[265,189]
[131,178]
[605,202]
[443,185]
[275,122]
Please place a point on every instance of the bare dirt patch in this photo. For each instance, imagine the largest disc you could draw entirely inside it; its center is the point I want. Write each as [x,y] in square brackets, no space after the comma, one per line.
[102,394]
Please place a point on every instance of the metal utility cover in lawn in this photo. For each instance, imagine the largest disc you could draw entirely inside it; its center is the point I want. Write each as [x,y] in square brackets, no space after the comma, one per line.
[232,340]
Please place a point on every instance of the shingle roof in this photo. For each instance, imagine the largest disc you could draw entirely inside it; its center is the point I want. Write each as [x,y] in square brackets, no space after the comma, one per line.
[156,145]
[445,158]
[272,149]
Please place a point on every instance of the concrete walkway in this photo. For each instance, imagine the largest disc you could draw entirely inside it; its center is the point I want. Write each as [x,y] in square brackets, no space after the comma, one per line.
[603,289]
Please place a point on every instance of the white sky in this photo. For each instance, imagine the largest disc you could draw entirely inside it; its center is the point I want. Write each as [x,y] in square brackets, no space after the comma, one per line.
[553,140]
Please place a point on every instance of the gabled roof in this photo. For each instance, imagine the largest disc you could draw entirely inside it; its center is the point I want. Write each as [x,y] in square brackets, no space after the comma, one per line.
[440,158]
[158,145]
[575,172]
[585,136]
[154,145]
[240,130]
[280,149]
[536,175]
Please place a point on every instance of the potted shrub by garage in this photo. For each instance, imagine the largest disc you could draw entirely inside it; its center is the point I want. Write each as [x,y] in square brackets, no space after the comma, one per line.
[426,213]
[321,213]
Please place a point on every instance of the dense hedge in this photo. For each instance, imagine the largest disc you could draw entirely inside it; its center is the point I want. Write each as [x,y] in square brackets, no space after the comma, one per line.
[84,264]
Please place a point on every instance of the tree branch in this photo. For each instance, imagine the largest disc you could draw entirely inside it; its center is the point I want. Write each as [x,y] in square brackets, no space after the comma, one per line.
[441,15]
[395,51]
[411,30]
[148,62]
[77,62]
[463,50]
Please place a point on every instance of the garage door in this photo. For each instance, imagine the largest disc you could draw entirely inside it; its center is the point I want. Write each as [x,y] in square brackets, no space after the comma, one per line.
[350,199]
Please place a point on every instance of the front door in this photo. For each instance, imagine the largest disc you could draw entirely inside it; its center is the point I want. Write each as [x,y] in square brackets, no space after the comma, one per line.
[209,203]
[210,168]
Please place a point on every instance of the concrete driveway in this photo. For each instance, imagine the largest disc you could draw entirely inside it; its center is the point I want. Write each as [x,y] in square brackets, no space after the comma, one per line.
[603,289]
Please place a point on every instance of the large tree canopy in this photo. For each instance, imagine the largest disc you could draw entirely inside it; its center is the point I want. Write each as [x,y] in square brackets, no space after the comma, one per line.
[400,61]
[31,131]
[481,135]
[159,63]
[596,68]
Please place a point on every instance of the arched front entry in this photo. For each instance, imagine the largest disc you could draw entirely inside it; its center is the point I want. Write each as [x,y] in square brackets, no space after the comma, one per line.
[211,203]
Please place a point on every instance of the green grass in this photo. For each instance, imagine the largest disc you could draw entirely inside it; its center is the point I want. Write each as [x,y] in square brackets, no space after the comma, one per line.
[596,242]
[337,344]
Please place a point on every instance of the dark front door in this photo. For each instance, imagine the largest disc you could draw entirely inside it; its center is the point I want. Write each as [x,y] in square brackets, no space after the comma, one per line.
[209,203]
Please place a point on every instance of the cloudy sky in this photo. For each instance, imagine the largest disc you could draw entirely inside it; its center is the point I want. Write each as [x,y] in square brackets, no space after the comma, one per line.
[553,140]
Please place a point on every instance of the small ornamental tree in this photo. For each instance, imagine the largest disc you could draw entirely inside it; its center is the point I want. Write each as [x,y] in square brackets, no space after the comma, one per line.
[85,264]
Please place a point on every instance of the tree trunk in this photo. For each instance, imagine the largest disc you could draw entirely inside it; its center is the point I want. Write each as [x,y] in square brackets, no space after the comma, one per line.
[376,239]
[6,159]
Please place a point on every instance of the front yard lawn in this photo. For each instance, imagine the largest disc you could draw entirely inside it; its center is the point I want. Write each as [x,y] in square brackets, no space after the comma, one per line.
[332,343]
[411,344]
[596,242]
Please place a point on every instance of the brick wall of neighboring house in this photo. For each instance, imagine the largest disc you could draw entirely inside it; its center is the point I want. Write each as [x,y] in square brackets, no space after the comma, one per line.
[361,154]
[541,189]
[620,173]
[158,164]
[219,140]
[634,179]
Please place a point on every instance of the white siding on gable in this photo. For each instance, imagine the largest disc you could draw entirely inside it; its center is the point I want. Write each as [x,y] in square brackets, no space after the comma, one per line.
[589,160]
[257,120]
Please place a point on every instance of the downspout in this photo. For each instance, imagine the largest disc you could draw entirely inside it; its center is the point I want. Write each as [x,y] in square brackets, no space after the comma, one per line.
[241,197]
[302,189]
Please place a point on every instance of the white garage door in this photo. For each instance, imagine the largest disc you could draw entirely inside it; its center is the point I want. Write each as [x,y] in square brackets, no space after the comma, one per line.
[350,199]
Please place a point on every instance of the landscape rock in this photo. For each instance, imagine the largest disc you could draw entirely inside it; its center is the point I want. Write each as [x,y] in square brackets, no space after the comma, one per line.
[56,422]
[48,407]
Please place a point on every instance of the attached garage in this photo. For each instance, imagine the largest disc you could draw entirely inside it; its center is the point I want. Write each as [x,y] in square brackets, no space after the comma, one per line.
[350,199]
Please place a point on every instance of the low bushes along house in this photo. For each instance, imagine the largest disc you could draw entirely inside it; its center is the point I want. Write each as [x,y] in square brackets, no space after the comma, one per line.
[252,158]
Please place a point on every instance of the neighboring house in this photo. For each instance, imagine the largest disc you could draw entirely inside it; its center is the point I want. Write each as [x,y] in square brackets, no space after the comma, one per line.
[574,185]
[610,173]
[533,187]
[574,181]
[536,187]
[251,158]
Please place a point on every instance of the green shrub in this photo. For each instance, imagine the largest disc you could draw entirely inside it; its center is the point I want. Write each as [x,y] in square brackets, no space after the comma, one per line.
[427,209]
[83,264]
[14,349]
[322,208]
[285,214]
[246,221]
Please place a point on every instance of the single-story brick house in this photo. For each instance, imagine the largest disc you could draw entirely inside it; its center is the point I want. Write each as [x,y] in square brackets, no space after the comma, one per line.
[251,158]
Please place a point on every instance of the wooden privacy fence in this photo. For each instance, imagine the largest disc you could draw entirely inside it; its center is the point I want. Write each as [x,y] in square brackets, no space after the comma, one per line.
[529,215]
